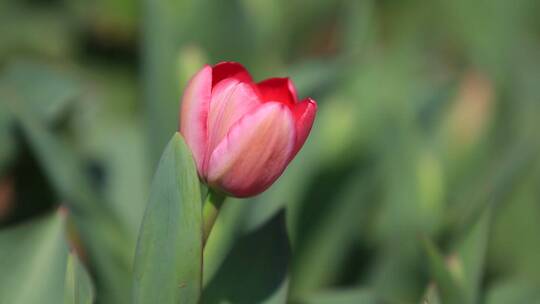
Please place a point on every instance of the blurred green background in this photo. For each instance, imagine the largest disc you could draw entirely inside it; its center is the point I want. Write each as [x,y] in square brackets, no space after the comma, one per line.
[420,182]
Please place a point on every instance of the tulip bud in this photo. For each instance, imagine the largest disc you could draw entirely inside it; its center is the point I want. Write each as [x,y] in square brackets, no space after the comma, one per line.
[242,134]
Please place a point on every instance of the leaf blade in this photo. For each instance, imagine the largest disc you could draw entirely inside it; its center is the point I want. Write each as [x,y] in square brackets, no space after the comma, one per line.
[169,251]
[78,288]
[32,259]
[256,268]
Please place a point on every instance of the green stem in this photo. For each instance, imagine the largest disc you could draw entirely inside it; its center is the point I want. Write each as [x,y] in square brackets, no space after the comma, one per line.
[210,212]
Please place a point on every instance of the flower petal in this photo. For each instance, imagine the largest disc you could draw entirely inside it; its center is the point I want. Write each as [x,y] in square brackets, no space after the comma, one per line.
[304,115]
[278,89]
[227,69]
[230,101]
[255,151]
[194,114]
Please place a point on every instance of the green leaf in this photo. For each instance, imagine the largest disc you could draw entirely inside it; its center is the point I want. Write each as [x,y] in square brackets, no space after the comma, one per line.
[459,279]
[448,286]
[471,253]
[78,287]
[348,296]
[255,270]
[33,261]
[168,260]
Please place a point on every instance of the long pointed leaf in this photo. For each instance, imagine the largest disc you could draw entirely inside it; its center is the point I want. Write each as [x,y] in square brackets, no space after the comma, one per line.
[32,262]
[168,261]
[78,288]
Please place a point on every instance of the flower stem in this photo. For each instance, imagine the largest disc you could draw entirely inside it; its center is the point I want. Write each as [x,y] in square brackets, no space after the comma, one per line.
[210,212]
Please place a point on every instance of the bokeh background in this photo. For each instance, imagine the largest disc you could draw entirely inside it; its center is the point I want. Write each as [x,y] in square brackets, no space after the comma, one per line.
[420,182]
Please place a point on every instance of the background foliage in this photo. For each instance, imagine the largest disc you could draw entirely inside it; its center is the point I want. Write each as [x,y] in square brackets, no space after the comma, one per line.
[419,183]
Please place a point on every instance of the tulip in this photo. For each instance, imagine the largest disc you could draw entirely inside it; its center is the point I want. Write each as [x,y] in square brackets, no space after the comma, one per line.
[242,134]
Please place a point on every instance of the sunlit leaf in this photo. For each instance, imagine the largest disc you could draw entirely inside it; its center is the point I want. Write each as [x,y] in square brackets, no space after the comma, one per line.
[78,287]
[169,251]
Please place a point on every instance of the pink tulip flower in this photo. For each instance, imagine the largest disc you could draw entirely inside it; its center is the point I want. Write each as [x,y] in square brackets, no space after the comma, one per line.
[242,134]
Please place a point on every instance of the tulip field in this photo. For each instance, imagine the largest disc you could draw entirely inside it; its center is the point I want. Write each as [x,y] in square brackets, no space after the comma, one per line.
[275,152]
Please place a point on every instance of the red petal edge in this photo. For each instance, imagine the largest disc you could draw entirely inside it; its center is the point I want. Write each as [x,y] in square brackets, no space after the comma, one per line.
[229,69]
[278,89]
[304,115]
